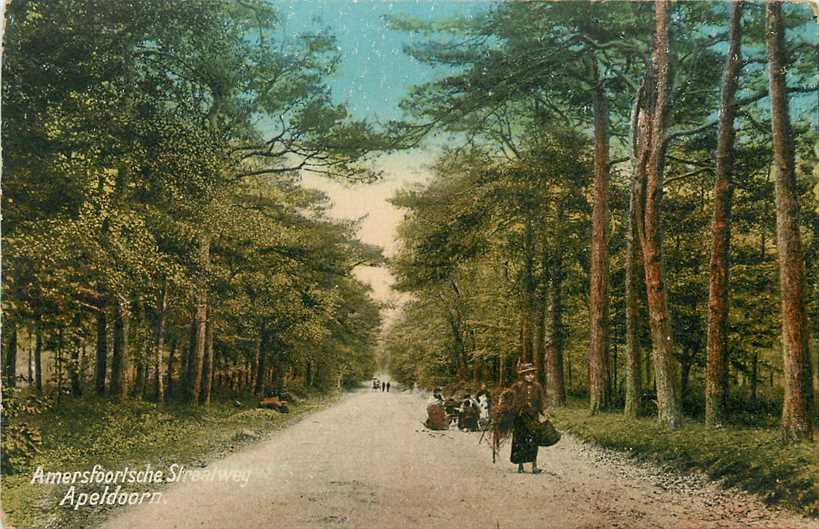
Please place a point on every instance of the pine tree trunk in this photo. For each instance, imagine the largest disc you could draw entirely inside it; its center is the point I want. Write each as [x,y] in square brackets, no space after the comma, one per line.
[501,368]
[74,371]
[186,355]
[83,363]
[599,282]
[58,364]
[529,288]
[119,359]
[539,344]
[30,355]
[169,381]
[260,372]
[141,375]
[279,372]
[716,391]
[633,363]
[555,390]
[257,352]
[798,401]
[158,346]
[207,372]
[651,235]
[101,362]
[38,358]
[754,374]
[11,356]
[201,319]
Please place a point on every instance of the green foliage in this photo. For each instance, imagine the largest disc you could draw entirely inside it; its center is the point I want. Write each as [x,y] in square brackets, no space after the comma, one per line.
[20,440]
[86,432]
[138,135]
[751,459]
[520,71]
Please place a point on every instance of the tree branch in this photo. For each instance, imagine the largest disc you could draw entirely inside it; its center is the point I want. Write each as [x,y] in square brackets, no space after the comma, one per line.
[686,175]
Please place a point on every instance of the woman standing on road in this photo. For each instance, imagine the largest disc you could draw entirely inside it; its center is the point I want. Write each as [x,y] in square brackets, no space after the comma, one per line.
[530,403]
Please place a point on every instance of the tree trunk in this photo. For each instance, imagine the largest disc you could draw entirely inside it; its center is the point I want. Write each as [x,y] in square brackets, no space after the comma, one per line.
[278,371]
[58,364]
[186,356]
[83,363]
[30,355]
[798,402]
[11,356]
[529,293]
[539,344]
[460,349]
[207,371]
[74,371]
[653,124]
[615,390]
[158,346]
[716,390]
[169,380]
[599,281]
[257,351]
[38,358]
[138,389]
[633,370]
[261,343]
[101,363]
[555,390]
[754,374]
[119,359]
[501,368]
[201,319]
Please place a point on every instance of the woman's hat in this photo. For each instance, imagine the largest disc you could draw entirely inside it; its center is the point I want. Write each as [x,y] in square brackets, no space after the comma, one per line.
[526,368]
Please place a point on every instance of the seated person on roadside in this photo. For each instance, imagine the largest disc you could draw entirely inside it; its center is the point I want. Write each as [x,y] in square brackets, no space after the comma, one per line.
[468,416]
[436,397]
[436,416]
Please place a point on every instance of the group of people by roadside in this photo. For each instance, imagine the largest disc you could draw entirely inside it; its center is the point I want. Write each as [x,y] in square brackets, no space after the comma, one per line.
[385,386]
[519,410]
[469,412]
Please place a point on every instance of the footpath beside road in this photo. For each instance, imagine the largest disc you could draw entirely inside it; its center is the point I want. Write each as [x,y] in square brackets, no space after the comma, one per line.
[368,462]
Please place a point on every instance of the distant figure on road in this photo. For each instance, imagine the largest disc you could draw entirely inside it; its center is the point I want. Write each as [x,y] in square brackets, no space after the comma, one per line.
[383,386]
[388,386]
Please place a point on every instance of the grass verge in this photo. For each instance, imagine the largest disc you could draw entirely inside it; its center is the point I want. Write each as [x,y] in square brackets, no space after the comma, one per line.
[81,433]
[753,459]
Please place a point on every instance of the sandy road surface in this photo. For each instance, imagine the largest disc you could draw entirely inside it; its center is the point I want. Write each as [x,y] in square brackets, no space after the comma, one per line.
[368,463]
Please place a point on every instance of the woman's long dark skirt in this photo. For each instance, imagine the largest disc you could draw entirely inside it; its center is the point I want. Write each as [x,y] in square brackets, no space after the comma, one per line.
[524,447]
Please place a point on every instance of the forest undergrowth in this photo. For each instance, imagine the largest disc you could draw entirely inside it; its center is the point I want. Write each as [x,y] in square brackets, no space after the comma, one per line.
[80,434]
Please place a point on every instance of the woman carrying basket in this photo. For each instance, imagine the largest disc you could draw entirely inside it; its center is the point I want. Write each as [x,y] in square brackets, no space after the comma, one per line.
[522,405]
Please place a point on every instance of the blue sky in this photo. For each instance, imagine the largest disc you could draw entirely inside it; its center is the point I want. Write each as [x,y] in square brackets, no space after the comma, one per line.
[374,73]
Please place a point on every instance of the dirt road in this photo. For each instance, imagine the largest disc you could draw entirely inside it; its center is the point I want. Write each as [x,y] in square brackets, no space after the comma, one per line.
[367,462]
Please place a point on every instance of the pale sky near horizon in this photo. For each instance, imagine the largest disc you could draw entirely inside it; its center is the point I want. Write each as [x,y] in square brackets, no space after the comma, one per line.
[373,77]
[379,218]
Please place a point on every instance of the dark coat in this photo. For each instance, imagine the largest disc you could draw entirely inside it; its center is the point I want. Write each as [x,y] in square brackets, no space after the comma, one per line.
[530,401]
